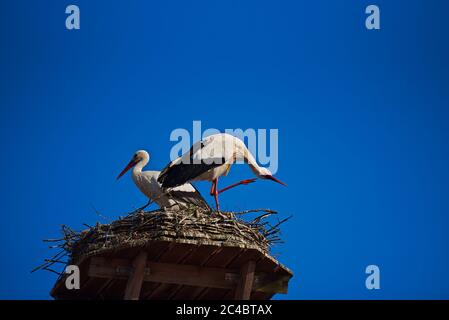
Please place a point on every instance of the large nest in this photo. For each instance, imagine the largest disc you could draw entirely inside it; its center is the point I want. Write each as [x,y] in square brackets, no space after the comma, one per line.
[194,225]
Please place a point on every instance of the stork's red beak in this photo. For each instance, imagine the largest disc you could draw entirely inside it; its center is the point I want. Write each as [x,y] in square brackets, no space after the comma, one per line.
[273,178]
[131,164]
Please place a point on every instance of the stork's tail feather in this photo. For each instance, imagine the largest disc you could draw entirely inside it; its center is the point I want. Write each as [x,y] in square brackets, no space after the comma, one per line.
[190,197]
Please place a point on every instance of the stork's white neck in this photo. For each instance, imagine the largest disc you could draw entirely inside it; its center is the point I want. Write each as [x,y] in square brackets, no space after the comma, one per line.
[139,166]
[242,151]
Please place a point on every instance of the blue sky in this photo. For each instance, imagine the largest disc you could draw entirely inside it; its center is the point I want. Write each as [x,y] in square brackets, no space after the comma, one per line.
[362,118]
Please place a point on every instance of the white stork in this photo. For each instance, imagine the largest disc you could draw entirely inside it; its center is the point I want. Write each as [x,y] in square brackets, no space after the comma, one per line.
[180,197]
[210,159]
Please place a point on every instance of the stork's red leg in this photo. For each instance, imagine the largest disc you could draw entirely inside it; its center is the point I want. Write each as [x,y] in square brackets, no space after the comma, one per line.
[214,192]
[213,187]
[216,200]
[247,181]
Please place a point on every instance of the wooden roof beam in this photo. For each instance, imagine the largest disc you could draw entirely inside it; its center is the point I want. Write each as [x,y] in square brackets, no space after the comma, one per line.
[169,273]
[135,279]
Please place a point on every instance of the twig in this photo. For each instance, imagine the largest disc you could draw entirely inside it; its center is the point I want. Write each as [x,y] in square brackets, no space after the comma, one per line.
[99,214]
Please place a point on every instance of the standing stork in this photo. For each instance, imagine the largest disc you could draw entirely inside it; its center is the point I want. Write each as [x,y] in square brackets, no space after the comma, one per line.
[210,159]
[180,197]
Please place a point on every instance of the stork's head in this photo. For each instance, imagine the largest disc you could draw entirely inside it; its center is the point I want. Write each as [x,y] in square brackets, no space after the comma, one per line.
[140,156]
[264,173]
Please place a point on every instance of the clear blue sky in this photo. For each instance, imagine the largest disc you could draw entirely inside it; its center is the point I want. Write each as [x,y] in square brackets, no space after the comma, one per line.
[363,119]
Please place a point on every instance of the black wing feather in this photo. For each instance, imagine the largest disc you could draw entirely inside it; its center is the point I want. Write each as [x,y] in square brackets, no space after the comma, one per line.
[178,174]
[174,175]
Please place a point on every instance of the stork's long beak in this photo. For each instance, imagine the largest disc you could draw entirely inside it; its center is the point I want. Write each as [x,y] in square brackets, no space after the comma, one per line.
[273,178]
[131,164]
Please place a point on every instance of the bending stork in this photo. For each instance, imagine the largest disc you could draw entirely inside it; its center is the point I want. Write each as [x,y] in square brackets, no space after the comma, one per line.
[179,197]
[210,159]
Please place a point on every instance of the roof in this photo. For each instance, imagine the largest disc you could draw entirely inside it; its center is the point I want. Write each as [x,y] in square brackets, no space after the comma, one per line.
[189,254]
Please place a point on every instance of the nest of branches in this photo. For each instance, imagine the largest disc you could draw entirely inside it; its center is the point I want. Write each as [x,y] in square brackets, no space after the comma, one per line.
[193,225]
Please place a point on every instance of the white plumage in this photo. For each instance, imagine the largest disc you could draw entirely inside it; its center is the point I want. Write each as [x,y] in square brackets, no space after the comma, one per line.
[180,197]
